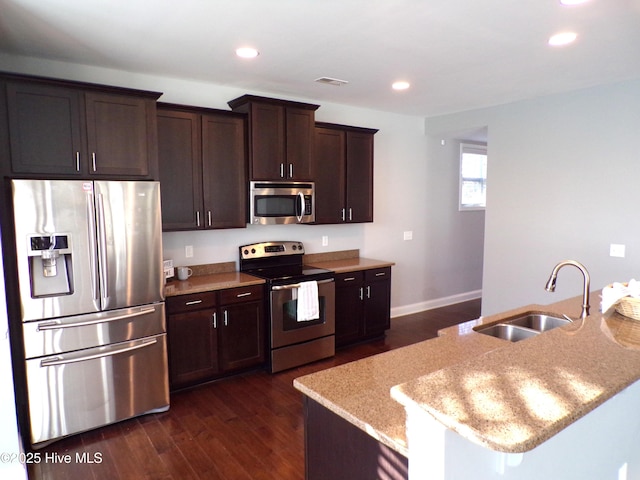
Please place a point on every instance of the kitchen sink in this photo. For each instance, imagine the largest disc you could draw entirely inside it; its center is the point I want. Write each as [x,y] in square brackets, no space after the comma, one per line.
[538,321]
[522,327]
[513,333]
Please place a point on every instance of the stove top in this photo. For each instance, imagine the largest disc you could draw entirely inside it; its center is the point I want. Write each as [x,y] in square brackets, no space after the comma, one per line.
[279,262]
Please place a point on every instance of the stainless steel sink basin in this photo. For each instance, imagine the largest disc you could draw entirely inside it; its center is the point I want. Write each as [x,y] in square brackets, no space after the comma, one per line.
[513,333]
[523,326]
[538,321]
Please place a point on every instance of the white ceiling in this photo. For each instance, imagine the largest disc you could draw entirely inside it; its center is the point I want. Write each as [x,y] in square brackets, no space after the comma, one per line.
[457,54]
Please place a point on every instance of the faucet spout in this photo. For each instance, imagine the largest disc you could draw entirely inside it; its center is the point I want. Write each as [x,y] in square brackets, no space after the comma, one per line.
[551,283]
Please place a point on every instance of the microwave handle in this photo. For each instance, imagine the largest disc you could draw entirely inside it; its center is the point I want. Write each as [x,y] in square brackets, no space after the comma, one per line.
[301,213]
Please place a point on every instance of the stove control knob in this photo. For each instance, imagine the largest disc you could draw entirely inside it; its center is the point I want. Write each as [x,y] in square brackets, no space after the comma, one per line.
[245,251]
[300,246]
[253,250]
[294,247]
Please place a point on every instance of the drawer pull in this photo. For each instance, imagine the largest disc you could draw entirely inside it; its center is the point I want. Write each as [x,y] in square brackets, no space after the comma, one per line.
[381,274]
[246,294]
[349,279]
[193,302]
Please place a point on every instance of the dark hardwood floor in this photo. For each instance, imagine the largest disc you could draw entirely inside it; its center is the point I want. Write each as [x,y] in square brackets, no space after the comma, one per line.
[246,427]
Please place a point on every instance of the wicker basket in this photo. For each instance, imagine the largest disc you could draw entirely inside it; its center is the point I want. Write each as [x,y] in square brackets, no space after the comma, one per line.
[629,307]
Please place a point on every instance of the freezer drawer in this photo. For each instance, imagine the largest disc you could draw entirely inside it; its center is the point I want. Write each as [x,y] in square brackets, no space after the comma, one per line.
[78,391]
[59,335]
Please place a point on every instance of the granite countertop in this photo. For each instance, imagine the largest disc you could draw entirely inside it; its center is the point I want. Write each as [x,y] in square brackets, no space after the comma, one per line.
[506,396]
[208,278]
[344,261]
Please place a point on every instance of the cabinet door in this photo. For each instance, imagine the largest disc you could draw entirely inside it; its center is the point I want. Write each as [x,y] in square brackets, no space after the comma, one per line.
[300,129]
[242,335]
[45,129]
[329,173]
[349,308]
[267,139]
[180,170]
[193,347]
[118,134]
[224,171]
[359,177]
[377,301]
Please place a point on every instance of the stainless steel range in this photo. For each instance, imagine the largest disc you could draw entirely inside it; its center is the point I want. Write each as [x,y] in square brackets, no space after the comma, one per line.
[301,303]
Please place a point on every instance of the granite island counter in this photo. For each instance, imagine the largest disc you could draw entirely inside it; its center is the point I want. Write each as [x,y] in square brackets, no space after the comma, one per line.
[468,394]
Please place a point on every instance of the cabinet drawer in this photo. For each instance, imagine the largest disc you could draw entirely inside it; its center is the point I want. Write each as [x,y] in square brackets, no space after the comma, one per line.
[377,274]
[349,278]
[241,294]
[188,303]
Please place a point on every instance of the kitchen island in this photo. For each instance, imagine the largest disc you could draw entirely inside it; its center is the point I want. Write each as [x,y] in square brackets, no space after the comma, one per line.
[477,400]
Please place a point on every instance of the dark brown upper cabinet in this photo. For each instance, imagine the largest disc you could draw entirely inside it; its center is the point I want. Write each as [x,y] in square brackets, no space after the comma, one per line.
[280,137]
[343,173]
[202,161]
[76,130]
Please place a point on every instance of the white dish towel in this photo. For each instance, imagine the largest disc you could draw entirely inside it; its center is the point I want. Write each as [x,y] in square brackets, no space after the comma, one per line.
[308,306]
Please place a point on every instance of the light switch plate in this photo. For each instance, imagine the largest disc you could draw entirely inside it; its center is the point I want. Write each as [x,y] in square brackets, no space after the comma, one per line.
[616,250]
[408,235]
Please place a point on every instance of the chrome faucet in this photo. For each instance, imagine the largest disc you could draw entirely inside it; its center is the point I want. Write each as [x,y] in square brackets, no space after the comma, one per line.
[551,283]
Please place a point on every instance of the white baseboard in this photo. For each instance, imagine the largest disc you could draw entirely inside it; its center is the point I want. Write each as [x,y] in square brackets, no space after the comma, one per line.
[435,303]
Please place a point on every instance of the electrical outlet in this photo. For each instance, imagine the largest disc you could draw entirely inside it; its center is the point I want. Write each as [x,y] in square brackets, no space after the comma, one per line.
[188,251]
[325,240]
[408,235]
[616,250]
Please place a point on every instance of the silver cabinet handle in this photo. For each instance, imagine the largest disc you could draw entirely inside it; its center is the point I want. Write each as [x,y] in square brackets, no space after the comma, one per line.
[215,320]
[368,291]
[198,218]
[246,294]
[61,360]
[381,274]
[350,214]
[93,160]
[226,318]
[209,217]
[282,170]
[291,170]
[77,161]
[342,215]
[193,302]
[349,279]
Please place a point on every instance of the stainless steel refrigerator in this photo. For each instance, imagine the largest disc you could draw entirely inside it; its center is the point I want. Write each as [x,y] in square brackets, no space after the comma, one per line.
[89,257]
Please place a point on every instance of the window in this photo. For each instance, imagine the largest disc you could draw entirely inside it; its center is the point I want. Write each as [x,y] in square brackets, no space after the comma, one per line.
[473,176]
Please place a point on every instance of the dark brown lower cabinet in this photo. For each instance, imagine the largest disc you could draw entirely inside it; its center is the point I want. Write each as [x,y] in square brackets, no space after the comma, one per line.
[336,449]
[363,305]
[213,334]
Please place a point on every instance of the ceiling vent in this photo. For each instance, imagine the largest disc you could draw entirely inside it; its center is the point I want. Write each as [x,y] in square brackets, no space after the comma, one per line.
[331,81]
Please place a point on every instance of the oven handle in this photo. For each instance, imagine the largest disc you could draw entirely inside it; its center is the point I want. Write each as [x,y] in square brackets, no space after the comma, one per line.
[297,285]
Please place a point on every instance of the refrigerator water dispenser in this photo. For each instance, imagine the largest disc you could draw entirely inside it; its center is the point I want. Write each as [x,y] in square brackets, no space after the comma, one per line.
[50,265]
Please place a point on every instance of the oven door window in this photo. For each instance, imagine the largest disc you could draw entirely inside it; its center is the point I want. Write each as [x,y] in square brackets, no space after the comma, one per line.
[290,315]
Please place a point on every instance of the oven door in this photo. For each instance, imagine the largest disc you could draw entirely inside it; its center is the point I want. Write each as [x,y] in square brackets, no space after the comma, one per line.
[286,329]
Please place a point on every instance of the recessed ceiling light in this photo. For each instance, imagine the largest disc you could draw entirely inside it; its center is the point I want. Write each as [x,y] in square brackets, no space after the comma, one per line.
[563,38]
[572,2]
[400,85]
[247,52]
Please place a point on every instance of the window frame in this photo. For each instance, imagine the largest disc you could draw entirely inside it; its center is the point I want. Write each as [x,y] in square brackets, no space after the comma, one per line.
[477,148]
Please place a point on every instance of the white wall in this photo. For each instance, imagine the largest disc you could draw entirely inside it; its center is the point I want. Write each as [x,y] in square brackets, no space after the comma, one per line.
[410,194]
[562,184]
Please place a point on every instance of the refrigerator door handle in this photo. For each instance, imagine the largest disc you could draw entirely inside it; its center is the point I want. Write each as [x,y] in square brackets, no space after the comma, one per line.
[107,352]
[102,248]
[93,265]
[57,324]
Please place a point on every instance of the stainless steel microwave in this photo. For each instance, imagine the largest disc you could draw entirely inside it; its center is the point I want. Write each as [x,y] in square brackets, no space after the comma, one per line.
[281,202]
